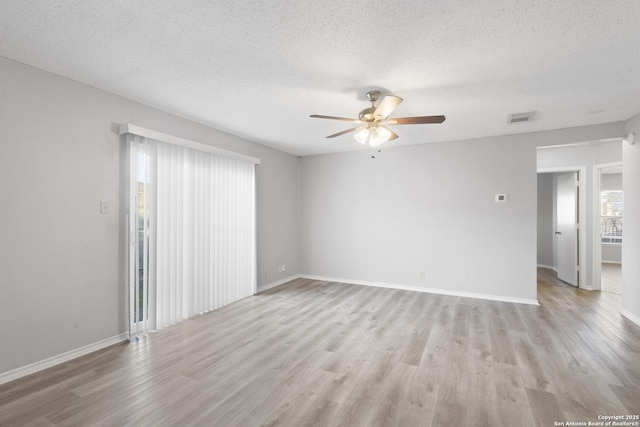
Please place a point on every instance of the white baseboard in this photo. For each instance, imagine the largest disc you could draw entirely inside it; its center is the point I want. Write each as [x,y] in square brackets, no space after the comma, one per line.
[550,267]
[277,283]
[629,315]
[425,290]
[60,358]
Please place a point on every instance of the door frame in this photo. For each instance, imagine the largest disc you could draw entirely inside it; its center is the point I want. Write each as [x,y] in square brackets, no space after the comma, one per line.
[582,217]
[597,243]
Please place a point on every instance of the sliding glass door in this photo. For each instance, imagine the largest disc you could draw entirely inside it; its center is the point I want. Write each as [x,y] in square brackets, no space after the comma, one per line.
[192,233]
[138,225]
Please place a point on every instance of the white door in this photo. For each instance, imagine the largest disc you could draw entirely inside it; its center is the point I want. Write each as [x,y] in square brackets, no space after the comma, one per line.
[567,227]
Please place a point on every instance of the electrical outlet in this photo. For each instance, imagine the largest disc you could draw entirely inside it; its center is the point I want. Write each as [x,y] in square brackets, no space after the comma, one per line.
[266,274]
[105,207]
[422,275]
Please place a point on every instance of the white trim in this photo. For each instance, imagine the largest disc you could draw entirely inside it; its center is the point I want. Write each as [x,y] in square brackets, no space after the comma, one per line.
[629,315]
[577,144]
[562,169]
[596,268]
[549,267]
[277,283]
[60,358]
[582,213]
[609,165]
[425,290]
[170,139]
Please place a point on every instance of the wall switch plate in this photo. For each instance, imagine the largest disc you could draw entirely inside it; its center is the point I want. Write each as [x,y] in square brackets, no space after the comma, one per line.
[501,198]
[105,207]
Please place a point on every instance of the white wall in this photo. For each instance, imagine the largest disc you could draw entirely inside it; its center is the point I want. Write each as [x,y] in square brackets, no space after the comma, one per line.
[631,248]
[611,181]
[587,156]
[61,284]
[546,200]
[612,253]
[428,208]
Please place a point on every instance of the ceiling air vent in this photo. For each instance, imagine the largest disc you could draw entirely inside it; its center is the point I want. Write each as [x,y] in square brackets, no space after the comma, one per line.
[520,117]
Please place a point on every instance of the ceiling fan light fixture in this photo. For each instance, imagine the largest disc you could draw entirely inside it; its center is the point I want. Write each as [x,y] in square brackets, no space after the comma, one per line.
[374,136]
[383,134]
[362,135]
[374,141]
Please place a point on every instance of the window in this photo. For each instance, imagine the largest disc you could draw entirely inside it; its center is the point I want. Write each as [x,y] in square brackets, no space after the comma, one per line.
[611,208]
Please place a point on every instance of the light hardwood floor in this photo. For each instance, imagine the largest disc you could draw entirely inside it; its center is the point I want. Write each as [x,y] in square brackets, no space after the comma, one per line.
[313,353]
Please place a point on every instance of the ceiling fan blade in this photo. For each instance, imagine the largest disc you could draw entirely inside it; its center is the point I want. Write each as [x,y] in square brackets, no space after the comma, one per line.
[386,107]
[345,131]
[393,134]
[416,120]
[318,116]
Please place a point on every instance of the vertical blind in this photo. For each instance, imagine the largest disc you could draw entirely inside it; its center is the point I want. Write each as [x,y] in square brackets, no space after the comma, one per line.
[201,233]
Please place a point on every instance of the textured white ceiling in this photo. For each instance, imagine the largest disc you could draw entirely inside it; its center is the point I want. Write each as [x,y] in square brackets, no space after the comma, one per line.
[258,69]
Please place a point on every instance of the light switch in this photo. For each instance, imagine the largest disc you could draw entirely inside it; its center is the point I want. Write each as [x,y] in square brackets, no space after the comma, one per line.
[105,206]
[501,198]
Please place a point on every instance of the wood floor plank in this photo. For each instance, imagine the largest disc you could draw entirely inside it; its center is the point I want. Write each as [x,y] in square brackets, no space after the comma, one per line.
[42,402]
[320,413]
[316,353]
[545,408]
[39,422]
[449,414]
[629,397]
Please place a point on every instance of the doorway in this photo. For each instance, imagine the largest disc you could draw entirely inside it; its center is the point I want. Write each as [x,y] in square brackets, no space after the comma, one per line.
[608,227]
[563,235]
[567,226]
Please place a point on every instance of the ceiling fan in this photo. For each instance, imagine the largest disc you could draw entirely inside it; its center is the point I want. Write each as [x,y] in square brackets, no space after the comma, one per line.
[373,120]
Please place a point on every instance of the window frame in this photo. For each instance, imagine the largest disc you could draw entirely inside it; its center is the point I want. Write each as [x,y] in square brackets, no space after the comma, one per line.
[611,239]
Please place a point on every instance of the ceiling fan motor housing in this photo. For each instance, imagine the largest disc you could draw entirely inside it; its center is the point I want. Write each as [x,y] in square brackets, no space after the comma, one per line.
[366,115]
[373,96]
